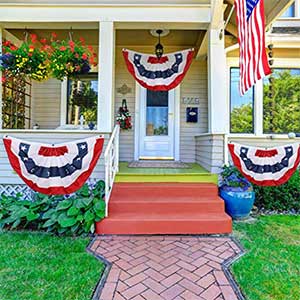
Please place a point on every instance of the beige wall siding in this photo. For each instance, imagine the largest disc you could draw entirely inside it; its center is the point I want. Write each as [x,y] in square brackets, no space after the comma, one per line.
[46,103]
[122,77]
[194,85]
[210,151]
[8,175]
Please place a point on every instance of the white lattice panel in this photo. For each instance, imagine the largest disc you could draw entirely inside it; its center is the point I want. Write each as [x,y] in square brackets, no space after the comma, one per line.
[13,189]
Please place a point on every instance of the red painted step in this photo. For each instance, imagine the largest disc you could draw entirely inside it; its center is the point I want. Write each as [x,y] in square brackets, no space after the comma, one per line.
[165,208]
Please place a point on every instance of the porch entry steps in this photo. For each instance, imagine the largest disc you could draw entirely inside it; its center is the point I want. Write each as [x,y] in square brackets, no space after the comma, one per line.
[165,208]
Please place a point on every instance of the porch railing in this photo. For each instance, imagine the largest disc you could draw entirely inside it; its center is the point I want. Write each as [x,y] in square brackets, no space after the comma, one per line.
[111,158]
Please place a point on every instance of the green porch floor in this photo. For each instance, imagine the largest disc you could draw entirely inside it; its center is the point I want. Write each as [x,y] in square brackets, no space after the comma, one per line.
[195,173]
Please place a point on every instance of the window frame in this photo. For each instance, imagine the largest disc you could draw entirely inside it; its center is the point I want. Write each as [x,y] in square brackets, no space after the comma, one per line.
[285,63]
[276,68]
[66,91]
[230,106]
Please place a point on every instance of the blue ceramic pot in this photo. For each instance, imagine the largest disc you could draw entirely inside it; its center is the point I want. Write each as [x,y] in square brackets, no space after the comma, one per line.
[238,204]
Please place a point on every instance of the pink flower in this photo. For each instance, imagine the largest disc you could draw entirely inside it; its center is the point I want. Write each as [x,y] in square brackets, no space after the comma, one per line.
[82,40]
[62,48]
[6,43]
[33,38]
[84,56]
[43,41]
[13,47]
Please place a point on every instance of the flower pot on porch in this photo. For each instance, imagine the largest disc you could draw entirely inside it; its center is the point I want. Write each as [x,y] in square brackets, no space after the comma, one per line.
[238,204]
[237,193]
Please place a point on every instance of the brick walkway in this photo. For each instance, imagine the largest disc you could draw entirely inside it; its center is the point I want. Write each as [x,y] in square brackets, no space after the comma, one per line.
[165,267]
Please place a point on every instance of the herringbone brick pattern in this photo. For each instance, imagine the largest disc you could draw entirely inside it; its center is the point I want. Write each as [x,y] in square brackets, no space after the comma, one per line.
[166,267]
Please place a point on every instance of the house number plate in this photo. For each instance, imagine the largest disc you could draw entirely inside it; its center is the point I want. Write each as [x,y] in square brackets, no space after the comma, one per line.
[190,100]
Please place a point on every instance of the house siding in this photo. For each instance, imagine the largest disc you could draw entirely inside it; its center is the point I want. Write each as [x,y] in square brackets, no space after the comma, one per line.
[9,176]
[210,151]
[46,104]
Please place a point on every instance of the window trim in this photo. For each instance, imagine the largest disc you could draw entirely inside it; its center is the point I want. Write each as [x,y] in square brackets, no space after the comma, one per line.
[275,68]
[230,106]
[278,63]
[65,97]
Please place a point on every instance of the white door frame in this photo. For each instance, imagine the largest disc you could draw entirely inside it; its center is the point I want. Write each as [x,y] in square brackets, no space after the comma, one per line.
[137,122]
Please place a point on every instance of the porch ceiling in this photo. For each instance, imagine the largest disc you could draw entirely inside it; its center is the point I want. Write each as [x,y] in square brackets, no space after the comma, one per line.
[142,37]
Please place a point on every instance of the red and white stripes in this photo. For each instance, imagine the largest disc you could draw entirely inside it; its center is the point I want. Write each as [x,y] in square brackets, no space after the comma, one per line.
[251,34]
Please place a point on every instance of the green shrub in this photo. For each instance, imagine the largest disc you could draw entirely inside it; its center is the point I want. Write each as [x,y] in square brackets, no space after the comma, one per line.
[285,197]
[74,215]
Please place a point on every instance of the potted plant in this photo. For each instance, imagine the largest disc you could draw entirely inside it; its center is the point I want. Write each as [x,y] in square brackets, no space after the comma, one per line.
[70,58]
[237,193]
[26,61]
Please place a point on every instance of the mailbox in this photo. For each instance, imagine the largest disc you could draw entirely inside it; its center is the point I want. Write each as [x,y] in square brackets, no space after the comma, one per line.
[192,114]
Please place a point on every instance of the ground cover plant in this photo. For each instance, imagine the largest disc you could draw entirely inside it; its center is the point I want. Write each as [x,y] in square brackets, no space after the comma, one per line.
[74,215]
[35,266]
[270,270]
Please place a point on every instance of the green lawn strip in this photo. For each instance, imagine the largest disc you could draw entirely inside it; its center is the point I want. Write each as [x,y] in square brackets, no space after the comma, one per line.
[38,266]
[270,270]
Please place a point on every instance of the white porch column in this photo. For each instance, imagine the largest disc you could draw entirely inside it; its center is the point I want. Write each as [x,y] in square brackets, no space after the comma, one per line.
[218,106]
[1,89]
[258,108]
[106,76]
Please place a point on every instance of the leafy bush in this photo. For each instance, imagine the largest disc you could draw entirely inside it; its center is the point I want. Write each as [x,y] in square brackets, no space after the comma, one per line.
[73,215]
[285,197]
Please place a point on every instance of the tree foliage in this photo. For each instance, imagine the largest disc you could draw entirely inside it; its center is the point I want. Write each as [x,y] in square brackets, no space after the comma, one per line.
[282,111]
[281,104]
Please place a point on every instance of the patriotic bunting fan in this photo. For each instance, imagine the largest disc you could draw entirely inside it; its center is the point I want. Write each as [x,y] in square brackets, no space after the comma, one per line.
[54,169]
[266,167]
[158,74]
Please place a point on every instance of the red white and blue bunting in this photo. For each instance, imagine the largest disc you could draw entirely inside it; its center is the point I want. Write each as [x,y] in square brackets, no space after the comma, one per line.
[266,167]
[54,169]
[156,74]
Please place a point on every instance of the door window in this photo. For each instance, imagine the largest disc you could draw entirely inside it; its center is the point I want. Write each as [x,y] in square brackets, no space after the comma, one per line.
[157,109]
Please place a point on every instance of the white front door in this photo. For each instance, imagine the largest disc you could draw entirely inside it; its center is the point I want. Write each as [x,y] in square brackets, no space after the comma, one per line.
[157,130]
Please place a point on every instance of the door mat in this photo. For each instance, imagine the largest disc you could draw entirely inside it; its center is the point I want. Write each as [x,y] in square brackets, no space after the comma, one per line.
[159,164]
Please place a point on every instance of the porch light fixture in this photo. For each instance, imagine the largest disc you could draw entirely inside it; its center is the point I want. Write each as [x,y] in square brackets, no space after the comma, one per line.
[159,49]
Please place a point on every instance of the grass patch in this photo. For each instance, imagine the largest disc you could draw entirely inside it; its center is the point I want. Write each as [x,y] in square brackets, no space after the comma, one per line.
[38,266]
[271,268]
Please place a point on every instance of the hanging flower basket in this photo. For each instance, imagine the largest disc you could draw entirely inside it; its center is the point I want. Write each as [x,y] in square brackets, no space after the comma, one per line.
[24,61]
[70,58]
[124,118]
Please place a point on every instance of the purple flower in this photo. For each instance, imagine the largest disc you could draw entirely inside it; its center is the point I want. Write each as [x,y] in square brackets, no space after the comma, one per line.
[7,60]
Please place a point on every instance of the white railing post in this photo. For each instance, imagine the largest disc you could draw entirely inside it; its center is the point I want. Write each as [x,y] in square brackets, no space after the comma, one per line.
[111,158]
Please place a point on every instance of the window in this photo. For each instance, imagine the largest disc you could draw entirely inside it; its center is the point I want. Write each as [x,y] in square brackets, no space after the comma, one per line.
[157,113]
[241,108]
[290,12]
[282,101]
[82,100]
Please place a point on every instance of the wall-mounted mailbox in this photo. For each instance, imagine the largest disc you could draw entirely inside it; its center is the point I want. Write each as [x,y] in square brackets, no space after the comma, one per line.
[192,114]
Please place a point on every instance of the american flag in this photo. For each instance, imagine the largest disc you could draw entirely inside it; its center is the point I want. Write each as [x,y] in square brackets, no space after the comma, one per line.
[251,33]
